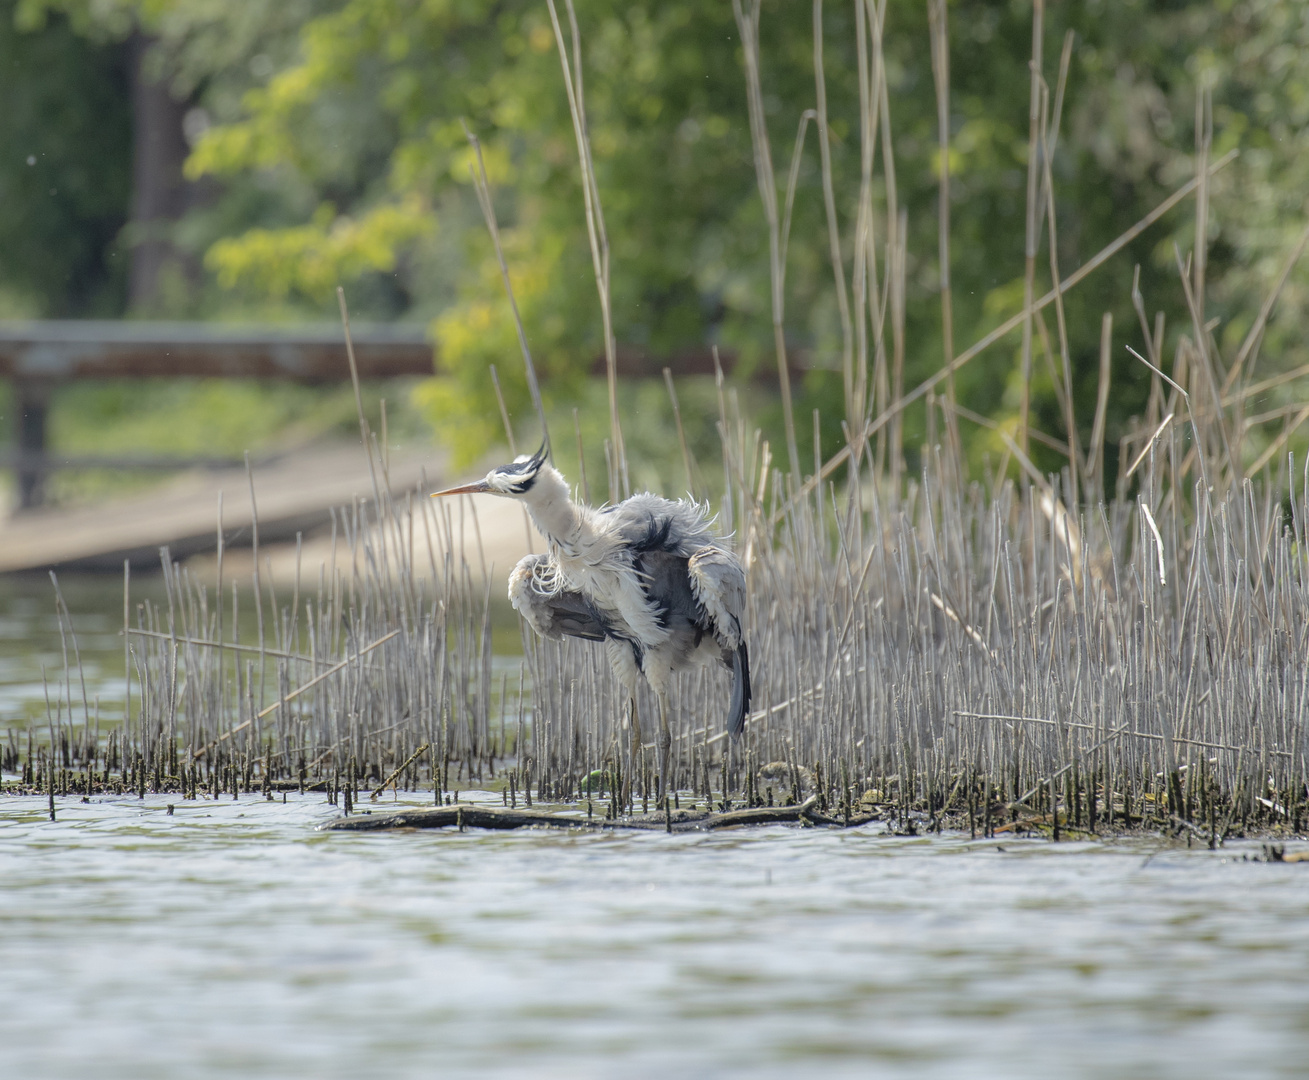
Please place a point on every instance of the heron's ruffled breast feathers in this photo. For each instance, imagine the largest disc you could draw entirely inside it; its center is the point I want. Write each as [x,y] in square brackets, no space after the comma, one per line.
[539,593]
[531,584]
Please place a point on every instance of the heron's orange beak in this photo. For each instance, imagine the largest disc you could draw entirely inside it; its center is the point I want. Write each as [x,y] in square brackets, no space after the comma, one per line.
[480,487]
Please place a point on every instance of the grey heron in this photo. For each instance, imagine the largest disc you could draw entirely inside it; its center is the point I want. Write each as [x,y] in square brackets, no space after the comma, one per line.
[646,576]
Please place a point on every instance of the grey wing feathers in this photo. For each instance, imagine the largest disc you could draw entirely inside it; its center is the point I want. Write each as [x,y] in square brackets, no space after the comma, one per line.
[718,583]
[572,616]
[554,612]
[667,585]
[740,706]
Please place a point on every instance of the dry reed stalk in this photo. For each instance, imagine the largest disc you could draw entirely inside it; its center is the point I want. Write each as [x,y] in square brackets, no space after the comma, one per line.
[1033,236]
[1095,454]
[483,188]
[829,207]
[938,25]
[595,227]
[889,386]
[1250,345]
[747,22]
[1049,141]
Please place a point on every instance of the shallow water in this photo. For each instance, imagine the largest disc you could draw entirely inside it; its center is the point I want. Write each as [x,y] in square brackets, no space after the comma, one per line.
[233,939]
[32,649]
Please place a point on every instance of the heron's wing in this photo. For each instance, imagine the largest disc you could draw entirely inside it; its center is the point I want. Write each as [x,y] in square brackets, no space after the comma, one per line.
[718,584]
[571,616]
[666,583]
[553,612]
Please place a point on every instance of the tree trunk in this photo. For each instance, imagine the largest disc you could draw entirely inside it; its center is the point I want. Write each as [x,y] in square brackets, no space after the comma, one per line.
[161,195]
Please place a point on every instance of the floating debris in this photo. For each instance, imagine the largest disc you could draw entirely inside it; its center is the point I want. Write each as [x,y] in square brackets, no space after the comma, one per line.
[491,817]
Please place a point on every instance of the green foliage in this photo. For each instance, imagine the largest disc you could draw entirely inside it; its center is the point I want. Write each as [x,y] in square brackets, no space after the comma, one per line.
[338,143]
[65,170]
[665,98]
[313,258]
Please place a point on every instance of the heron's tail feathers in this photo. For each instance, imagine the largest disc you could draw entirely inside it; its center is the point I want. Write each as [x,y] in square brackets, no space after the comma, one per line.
[740,707]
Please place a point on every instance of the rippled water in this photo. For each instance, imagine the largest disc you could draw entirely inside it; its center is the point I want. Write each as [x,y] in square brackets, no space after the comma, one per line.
[233,939]
[32,649]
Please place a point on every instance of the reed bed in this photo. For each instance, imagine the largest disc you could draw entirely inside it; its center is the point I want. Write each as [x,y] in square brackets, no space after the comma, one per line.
[1059,651]
[936,654]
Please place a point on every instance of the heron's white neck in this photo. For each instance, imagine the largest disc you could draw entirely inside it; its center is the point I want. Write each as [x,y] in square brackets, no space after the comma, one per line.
[556,516]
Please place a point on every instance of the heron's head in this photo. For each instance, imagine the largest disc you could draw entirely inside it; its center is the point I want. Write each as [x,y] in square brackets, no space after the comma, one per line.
[516,480]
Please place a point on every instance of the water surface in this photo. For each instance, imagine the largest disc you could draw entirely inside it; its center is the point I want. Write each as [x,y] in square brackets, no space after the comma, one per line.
[232,939]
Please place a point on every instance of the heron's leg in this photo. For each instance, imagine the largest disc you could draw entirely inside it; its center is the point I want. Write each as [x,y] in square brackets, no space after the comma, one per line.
[665,742]
[634,759]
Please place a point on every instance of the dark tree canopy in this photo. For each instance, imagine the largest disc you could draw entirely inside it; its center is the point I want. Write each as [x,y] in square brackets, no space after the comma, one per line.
[336,134]
[65,169]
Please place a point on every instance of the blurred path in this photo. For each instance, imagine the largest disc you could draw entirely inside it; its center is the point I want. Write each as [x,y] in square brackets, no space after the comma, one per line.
[295,494]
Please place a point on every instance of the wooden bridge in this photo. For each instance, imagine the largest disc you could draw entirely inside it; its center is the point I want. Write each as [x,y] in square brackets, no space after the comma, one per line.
[38,356]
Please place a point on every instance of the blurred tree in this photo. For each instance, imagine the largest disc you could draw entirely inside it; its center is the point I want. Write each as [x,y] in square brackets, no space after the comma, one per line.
[65,168]
[161,195]
[335,132]
[367,115]
[183,62]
